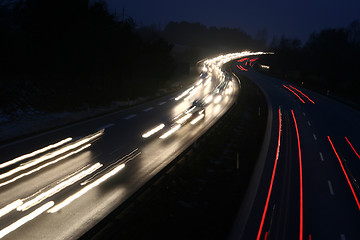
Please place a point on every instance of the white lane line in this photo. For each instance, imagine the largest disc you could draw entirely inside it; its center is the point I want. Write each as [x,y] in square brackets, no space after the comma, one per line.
[342,236]
[304,113]
[171,98]
[106,126]
[130,116]
[330,188]
[309,123]
[114,151]
[314,136]
[162,103]
[148,109]
[321,156]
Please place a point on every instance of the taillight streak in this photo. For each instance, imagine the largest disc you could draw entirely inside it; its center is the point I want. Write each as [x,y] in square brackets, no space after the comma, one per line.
[272,179]
[301,180]
[352,147]
[343,169]
[302,94]
[294,93]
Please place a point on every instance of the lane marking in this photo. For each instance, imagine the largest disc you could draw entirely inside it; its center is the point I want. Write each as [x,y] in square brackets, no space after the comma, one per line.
[106,126]
[294,93]
[330,188]
[302,94]
[272,180]
[321,156]
[342,236]
[352,147]
[171,98]
[162,103]
[148,109]
[343,169]
[301,180]
[130,116]
[314,136]
[308,122]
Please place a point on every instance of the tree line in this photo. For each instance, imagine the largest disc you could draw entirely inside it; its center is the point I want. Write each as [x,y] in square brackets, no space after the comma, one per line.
[328,62]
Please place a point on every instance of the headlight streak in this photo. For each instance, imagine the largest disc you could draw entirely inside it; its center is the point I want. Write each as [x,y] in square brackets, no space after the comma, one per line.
[8,208]
[43,166]
[32,154]
[171,131]
[184,118]
[208,99]
[124,160]
[5,231]
[84,190]
[153,131]
[217,99]
[41,197]
[198,118]
[51,155]
[184,94]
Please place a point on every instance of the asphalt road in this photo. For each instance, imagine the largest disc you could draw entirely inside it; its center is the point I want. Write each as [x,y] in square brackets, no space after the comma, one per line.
[70,193]
[305,191]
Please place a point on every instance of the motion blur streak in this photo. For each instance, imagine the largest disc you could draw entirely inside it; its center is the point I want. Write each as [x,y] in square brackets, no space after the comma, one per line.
[294,93]
[343,169]
[217,99]
[184,118]
[184,93]
[59,187]
[68,200]
[153,131]
[51,155]
[352,147]
[45,165]
[302,94]
[241,68]
[171,131]
[5,210]
[197,119]
[272,180]
[29,155]
[25,219]
[301,179]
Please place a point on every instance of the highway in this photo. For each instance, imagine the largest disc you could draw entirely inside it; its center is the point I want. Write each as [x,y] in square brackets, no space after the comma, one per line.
[305,183]
[59,184]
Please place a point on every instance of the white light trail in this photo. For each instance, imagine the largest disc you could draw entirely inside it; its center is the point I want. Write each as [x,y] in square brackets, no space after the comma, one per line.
[45,165]
[171,131]
[184,93]
[217,99]
[153,131]
[32,154]
[50,155]
[85,189]
[197,119]
[8,208]
[208,99]
[184,118]
[41,197]
[27,218]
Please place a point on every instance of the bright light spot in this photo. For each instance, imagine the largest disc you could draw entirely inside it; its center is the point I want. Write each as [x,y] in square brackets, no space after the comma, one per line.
[171,131]
[41,197]
[5,210]
[265,67]
[15,160]
[153,131]
[184,118]
[217,99]
[25,219]
[45,165]
[199,82]
[208,99]
[197,119]
[84,190]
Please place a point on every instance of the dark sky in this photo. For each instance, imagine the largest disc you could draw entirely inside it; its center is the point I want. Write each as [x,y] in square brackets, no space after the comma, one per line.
[291,18]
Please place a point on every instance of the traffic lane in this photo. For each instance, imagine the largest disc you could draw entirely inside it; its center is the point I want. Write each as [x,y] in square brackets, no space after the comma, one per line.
[75,220]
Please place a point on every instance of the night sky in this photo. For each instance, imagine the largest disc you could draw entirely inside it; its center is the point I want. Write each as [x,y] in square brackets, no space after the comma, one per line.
[295,19]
